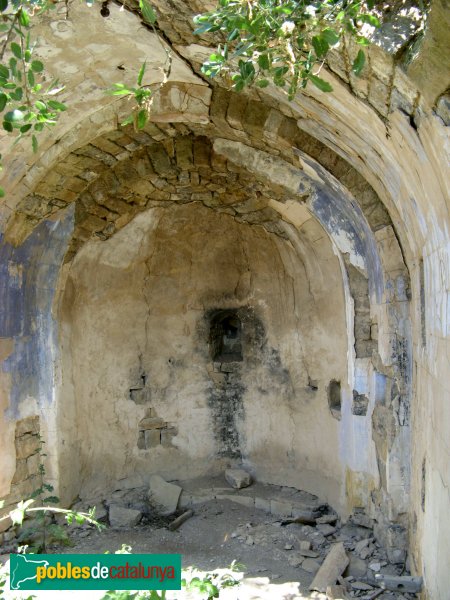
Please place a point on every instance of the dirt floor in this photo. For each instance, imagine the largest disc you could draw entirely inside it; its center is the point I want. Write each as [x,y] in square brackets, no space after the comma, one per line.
[277,560]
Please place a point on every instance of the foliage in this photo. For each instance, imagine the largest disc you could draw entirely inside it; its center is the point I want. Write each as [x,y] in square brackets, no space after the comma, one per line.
[283,41]
[39,531]
[27,95]
[210,584]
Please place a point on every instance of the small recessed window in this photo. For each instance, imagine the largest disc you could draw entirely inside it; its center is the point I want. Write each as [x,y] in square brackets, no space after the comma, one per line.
[225,337]
[334,398]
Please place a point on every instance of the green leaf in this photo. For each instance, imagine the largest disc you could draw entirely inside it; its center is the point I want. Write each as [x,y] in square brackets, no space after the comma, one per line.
[142,118]
[2,195]
[17,94]
[40,106]
[57,105]
[25,128]
[34,143]
[264,62]
[31,79]
[7,126]
[37,66]
[127,121]
[13,116]
[24,17]
[3,101]
[262,83]
[16,50]
[362,41]
[4,72]
[147,11]
[141,73]
[330,36]
[358,63]
[323,85]
[320,46]
[3,5]
[369,19]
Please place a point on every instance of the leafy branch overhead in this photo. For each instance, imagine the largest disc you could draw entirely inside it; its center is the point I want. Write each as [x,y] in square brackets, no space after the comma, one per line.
[283,41]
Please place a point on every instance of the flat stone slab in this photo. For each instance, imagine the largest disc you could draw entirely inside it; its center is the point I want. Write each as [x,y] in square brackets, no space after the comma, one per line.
[332,567]
[164,494]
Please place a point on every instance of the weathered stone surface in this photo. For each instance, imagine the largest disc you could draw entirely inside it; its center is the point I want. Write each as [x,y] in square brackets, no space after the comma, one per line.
[310,565]
[357,567]
[238,478]
[119,516]
[336,592]
[26,445]
[164,494]
[332,567]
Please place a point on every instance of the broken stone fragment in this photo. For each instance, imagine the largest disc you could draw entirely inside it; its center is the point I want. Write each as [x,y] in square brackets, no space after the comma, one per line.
[238,478]
[163,494]
[396,556]
[119,516]
[336,592]
[356,567]
[326,529]
[361,545]
[327,519]
[295,560]
[362,520]
[305,545]
[361,586]
[310,565]
[332,567]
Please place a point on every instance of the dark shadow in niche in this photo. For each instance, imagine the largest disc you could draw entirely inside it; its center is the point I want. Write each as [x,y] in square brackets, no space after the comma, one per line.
[225,337]
[334,398]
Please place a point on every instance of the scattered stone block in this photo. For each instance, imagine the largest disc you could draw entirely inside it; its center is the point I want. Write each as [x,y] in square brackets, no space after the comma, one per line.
[310,565]
[119,516]
[361,586]
[361,545]
[333,566]
[164,494]
[327,519]
[295,560]
[396,556]
[356,567]
[326,529]
[336,592]
[238,478]
[368,551]
[305,545]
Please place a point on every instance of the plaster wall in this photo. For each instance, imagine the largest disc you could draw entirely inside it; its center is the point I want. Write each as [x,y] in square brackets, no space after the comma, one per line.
[136,306]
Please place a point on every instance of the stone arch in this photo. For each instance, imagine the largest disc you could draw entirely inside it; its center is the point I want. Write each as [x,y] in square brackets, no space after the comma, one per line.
[397,175]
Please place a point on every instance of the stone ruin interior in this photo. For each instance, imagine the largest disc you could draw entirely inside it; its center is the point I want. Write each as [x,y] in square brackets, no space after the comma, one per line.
[247,286]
